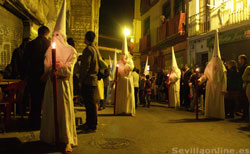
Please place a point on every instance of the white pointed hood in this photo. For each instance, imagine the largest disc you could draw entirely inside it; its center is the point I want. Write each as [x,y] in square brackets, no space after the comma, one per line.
[125,46]
[175,72]
[113,68]
[215,68]
[174,63]
[61,20]
[216,52]
[63,50]
[146,72]
[110,64]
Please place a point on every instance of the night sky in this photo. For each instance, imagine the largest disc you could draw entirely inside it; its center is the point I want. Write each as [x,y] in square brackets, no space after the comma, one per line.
[114,15]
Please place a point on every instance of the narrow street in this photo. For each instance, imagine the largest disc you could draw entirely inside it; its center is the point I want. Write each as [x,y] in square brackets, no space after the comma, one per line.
[155,130]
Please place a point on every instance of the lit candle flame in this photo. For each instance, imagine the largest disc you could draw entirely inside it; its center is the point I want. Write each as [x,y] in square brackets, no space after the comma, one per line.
[117,65]
[53,45]
[197,69]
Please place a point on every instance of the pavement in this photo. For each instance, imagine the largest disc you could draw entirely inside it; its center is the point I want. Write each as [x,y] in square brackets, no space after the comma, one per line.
[154,130]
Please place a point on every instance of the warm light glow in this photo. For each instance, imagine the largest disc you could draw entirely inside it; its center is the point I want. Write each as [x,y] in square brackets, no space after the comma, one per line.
[53,45]
[117,65]
[126,32]
[132,40]
[168,75]
[197,70]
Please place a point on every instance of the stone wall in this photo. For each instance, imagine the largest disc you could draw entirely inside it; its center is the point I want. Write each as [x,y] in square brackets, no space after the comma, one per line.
[22,18]
[11,34]
[84,16]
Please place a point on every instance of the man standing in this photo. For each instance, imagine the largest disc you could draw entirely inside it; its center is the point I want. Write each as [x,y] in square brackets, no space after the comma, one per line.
[135,75]
[186,88]
[35,54]
[242,59]
[88,81]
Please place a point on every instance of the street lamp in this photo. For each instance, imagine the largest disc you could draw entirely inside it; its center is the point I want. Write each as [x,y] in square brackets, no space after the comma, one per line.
[126,32]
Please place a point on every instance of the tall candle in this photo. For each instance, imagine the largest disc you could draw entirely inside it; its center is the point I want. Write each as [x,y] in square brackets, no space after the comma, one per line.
[55,92]
[54,56]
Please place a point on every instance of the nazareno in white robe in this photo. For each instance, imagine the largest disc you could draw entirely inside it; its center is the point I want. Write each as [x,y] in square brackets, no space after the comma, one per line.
[214,99]
[67,56]
[216,77]
[125,100]
[174,89]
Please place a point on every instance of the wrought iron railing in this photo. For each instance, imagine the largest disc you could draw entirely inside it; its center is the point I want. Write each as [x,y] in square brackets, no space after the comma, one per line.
[217,17]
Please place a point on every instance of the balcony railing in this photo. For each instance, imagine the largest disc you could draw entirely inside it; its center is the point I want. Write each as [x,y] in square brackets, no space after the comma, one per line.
[171,27]
[145,43]
[217,17]
[198,24]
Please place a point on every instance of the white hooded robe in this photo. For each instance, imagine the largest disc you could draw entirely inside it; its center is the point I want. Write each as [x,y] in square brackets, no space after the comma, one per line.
[67,57]
[216,77]
[174,81]
[125,100]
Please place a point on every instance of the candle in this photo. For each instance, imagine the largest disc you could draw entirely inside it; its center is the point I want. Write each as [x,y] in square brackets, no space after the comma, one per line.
[55,92]
[54,56]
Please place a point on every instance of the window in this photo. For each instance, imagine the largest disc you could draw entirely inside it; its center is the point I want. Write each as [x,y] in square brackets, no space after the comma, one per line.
[166,10]
[178,6]
[146,30]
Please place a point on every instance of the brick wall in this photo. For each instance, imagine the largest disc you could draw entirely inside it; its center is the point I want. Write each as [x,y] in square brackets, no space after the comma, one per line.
[80,21]
[11,34]
[84,16]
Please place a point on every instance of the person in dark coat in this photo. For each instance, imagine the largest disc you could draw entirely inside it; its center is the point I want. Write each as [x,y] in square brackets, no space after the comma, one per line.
[17,60]
[34,58]
[160,87]
[141,89]
[186,88]
[233,89]
[88,81]
[148,91]
[242,59]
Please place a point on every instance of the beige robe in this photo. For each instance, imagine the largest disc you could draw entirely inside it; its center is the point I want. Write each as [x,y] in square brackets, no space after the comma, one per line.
[67,127]
[125,100]
[214,100]
[174,89]
[100,85]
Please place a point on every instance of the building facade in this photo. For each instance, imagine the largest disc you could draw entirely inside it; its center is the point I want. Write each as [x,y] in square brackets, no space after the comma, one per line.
[22,18]
[230,17]
[163,26]
[137,34]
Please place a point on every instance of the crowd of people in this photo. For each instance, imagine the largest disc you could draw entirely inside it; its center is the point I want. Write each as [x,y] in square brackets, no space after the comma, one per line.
[156,87]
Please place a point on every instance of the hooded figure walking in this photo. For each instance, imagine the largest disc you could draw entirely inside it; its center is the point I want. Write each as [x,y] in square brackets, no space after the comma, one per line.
[174,82]
[125,85]
[216,76]
[66,57]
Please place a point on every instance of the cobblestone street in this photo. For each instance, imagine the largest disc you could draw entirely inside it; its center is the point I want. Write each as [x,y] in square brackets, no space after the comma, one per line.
[155,130]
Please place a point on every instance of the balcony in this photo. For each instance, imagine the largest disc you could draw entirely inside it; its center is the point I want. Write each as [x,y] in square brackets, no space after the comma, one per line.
[218,17]
[198,24]
[171,27]
[145,43]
